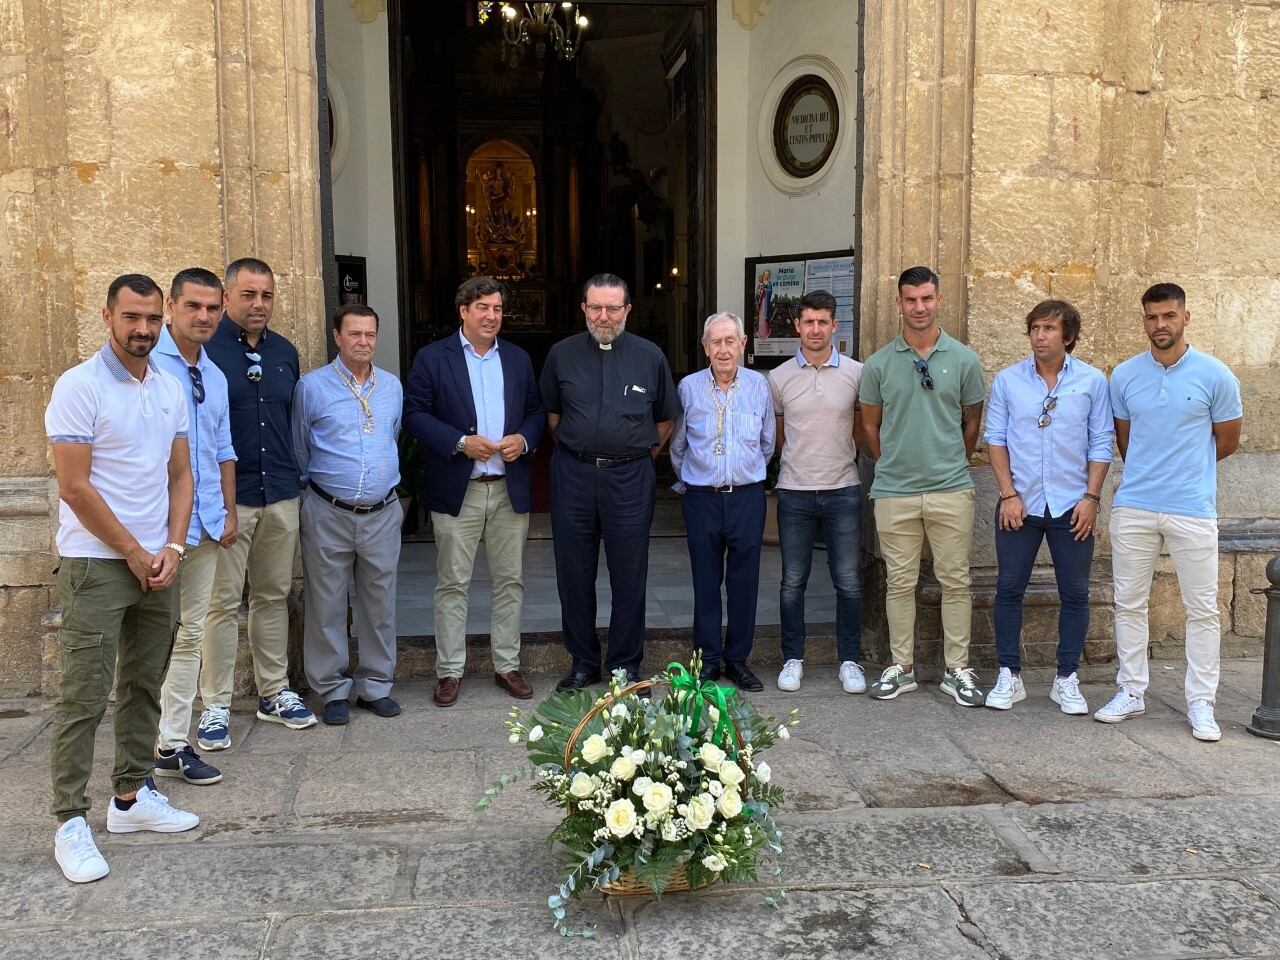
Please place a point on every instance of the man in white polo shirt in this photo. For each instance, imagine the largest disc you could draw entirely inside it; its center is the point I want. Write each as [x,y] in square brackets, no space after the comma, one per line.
[118,427]
[815,399]
[1177,413]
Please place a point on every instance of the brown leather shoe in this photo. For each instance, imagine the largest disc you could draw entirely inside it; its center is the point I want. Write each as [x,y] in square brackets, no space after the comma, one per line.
[514,684]
[446,694]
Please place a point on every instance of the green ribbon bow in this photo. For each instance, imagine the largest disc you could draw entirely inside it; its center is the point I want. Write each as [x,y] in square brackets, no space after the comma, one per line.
[693,694]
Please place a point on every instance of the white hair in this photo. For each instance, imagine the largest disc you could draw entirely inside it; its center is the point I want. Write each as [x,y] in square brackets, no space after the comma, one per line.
[723,315]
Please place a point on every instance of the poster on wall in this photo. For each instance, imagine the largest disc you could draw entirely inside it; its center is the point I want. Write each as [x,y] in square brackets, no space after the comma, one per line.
[774,287]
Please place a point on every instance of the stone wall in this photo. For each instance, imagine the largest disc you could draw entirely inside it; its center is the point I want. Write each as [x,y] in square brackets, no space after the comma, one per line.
[144,136]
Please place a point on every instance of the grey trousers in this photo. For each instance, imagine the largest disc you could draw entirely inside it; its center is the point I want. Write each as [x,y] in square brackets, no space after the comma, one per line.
[341,552]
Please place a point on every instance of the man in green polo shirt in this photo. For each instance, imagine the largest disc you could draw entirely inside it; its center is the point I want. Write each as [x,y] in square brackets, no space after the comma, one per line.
[921,398]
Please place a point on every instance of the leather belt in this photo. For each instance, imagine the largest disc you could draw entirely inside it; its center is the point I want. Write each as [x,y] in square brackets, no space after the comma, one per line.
[728,488]
[488,478]
[603,461]
[349,507]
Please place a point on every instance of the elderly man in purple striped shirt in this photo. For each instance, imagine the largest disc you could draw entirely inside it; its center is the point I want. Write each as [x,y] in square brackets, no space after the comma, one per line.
[719,450]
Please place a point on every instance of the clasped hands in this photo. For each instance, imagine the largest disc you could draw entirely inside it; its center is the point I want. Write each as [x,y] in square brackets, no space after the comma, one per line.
[482,448]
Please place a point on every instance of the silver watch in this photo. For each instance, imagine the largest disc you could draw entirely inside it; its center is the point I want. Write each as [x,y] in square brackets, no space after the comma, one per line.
[461,445]
[178,548]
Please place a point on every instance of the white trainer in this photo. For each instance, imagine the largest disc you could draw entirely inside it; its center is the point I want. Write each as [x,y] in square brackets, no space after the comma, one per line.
[1007,691]
[789,678]
[77,854]
[1123,705]
[152,811]
[852,679]
[1065,692]
[1203,726]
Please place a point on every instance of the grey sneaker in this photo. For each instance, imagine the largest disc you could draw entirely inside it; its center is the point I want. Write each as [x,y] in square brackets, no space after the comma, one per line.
[962,684]
[895,680]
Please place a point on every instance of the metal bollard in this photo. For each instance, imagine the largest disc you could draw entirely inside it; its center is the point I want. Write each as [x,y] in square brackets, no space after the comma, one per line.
[1266,719]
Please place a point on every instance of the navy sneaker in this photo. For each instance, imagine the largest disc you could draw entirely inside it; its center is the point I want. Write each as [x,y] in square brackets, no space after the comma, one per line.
[286,707]
[186,764]
[214,730]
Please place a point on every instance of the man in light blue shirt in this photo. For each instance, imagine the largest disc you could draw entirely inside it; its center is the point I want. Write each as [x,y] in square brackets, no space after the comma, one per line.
[1177,413]
[346,420]
[195,308]
[1049,436]
[720,449]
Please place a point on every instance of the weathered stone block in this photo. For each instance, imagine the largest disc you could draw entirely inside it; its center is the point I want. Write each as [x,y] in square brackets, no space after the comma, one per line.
[1129,43]
[1012,122]
[920,153]
[1261,68]
[1077,124]
[1132,145]
[21,609]
[1248,609]
[1211,142]
[1199,48]
[1175,250]
[1243,337]
[1035,37]
[1238,232]
[1022,222]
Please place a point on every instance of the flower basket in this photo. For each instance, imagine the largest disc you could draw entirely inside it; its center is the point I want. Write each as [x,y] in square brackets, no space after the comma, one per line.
[659,795]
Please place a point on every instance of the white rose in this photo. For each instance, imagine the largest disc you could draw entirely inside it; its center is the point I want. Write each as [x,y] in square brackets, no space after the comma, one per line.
[763,773]
[638,757]
[669,831]
[702,809]
[730,773]
[715,787]
[714,862]
[620,710]
[641,785]
[710,755]
[729,804]
[784,733]
[623,768]
[594,749]
[657,798]
[620,818]
[535,734]
[583,785]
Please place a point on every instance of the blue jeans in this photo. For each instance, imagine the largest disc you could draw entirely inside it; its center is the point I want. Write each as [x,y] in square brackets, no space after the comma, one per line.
[1015,556]
[838,513]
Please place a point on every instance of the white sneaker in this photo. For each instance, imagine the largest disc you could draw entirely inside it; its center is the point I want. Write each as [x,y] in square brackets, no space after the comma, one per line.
[789,678]
[852,679]
[151,811]
[77,854]
[1123,705]
[1203,726]
[1065,692]
[1007,691]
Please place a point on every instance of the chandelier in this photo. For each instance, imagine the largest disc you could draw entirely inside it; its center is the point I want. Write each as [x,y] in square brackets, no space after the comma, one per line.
[540,24]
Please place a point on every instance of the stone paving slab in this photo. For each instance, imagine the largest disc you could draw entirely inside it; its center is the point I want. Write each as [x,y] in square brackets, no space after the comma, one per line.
[814,776]
[33,890]
[20,721]
[240,941]
[1104,920]
[464,871]
[1136,837]
[878,925]
[508,931]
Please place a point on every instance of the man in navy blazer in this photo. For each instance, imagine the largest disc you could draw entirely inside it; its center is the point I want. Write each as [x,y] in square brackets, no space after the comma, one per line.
[472,400]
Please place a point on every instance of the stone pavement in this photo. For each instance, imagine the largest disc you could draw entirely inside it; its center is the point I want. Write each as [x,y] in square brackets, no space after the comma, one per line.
[915,829]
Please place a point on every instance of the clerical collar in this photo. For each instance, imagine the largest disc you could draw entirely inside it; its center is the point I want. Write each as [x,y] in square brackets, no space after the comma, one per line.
[605,346]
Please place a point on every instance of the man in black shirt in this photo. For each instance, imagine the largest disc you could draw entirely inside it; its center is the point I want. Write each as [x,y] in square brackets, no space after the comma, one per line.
[610,405]
[261,367]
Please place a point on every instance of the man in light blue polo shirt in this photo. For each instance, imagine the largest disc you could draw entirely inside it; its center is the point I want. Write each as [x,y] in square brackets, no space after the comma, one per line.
[1049,437]
[195,308]
[1177,412]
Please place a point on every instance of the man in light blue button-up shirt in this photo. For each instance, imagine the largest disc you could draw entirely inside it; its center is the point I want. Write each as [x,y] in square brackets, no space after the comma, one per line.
[720,449]
[195,307]
[346,420]
[1049,436]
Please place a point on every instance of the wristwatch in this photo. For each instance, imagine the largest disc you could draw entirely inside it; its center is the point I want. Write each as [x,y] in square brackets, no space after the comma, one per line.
[461,445]
[178,548]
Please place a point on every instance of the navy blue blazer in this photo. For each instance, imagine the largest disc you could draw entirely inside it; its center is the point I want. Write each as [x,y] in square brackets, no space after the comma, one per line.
[439,410]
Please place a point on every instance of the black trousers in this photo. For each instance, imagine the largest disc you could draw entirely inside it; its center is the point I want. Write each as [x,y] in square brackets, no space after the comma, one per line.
[588,504]
[724,530]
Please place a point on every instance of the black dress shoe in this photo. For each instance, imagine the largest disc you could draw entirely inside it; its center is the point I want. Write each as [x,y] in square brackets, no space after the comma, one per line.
[577,680]
[382,707]
[709,673]
[335,713]
[633,676]
[741,675]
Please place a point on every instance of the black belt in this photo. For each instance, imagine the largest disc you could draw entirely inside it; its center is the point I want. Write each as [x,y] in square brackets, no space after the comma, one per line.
[488,478]
[728,488]
[603,461]
[344,505]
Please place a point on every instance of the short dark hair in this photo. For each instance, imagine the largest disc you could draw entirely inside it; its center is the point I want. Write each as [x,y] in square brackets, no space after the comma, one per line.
[139,283]
[473,288]
[196,275]
[252,264]
[1067,315]
[1165,291]
[819,300]
[354,310]
[917,277]
[606,280]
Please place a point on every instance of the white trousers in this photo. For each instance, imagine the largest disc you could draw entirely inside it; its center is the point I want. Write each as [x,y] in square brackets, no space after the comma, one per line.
[1137,537]
[195,577]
